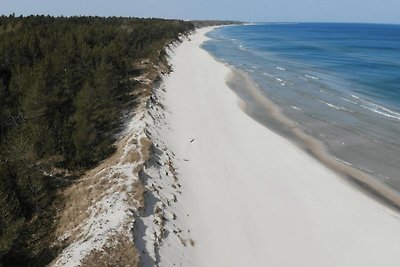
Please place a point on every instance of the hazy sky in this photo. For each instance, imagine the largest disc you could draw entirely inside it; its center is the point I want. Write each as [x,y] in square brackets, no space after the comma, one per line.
[385,11]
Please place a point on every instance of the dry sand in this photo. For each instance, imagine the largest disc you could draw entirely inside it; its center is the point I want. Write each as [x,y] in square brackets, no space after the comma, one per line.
[252,198]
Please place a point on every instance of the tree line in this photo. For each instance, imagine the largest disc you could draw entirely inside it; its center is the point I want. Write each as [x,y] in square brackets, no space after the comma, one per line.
[64,83]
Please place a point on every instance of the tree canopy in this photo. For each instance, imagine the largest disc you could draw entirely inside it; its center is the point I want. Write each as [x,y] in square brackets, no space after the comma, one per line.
[63,83]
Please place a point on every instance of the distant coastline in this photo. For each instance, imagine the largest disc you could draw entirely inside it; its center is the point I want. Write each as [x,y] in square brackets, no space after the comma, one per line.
[274,115]
[250,197]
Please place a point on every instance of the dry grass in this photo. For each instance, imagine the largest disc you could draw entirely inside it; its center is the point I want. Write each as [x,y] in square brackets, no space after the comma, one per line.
[78,198]
[92,187]
[132,156]
[123,253]
[139,193]
[96,184]
[146,144]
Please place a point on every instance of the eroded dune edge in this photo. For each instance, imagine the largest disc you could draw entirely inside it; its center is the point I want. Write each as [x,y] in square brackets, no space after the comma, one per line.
[197,182]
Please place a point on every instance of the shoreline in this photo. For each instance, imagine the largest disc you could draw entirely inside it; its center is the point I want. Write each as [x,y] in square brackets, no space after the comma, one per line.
[275,120]
[248,196]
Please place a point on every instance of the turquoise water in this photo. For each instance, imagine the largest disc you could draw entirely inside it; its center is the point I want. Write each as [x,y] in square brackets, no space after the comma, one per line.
[339,82]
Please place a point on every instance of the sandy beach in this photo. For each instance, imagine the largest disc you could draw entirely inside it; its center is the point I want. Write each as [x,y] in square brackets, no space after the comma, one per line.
[249,197]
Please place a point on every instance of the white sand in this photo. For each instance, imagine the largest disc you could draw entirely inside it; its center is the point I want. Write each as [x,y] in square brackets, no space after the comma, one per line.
[252,198]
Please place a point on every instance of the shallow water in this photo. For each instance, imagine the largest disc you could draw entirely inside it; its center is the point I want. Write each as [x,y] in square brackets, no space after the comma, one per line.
[339,83]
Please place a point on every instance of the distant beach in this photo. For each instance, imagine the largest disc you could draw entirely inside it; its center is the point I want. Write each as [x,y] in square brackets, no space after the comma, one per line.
[249,196]
[336,84]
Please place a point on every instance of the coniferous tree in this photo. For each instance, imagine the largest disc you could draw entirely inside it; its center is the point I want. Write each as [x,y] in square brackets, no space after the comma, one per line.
[64,83]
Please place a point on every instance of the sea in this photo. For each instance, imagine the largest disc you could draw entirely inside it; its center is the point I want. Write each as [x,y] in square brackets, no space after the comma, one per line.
[339,84]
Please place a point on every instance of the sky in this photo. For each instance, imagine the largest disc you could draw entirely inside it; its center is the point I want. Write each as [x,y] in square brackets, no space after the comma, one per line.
[380,11]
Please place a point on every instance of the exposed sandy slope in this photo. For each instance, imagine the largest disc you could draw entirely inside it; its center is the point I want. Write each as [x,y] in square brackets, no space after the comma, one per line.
[109,217]
[250,197]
